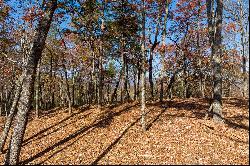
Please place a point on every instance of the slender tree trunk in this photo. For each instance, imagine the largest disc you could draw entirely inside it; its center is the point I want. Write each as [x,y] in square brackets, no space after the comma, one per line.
[122,77]
[154,44]
[52,85]
[185,74]
[1,100]
[6,101]
[151,74]
[135,88]
[61,101]
[13,111]
[67,92]
[29,71]
[37,89]
[100,83]
[114,95]
[73,89]
[127,85]
[244,58]
[108,93]
[199,53]
[143,101]
[204,86]
[138,80]
[161,89]
[92,86]
[163,43]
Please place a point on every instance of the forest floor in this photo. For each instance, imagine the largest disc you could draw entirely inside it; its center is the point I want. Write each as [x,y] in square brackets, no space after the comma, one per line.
[177,134]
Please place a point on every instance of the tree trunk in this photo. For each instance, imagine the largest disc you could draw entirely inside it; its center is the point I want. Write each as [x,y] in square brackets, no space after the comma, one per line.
[135,88]
[122,78]
[13,111]
[73,89]
[143,102]
[163,54]
[151,74]
[28,84]
[6,101]
[52,85]
[138,80]
[37,89]
[67,92]
[127,85]
[1,100]
[161,89]
[61,100]
[114,95]
[215,39]
[100,83]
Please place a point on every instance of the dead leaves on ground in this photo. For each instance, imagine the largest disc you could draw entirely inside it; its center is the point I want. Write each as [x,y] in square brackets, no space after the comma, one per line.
[177,134]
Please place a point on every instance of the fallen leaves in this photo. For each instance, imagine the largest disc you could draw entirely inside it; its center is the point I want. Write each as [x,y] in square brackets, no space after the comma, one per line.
[177,134]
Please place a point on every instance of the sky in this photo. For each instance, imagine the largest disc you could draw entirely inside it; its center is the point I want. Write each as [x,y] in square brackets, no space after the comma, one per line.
[18,11]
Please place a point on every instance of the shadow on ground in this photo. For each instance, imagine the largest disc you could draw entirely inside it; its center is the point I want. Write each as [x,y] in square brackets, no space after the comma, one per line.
[103,122]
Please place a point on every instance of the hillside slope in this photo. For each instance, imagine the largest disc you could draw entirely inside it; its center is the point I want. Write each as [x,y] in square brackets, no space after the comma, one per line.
[177,134]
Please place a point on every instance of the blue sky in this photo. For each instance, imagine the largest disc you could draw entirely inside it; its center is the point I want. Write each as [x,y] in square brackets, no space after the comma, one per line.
[18,11]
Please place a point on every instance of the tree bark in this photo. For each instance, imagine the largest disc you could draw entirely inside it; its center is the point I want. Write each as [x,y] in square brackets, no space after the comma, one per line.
[29,71]
[100,97]
[154,44]
[114,95]
[150,77]
[122,76]
[143,101]
[135,88]
[1,100]
[215,39]
[37,89]
[13,111]
[163,54]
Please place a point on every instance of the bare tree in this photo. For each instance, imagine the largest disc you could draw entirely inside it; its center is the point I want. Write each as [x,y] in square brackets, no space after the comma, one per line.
[215,39]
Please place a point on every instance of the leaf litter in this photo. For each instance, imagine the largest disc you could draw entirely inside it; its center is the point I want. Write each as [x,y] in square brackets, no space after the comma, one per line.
[177,133]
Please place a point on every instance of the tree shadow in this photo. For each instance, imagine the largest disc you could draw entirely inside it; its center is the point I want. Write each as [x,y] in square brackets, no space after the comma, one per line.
[62,121]
[58,151]
[44,134]
[235,125]
[95,124]
[238,102]
[155,119]
[114,143]
[198,110]
[44,113]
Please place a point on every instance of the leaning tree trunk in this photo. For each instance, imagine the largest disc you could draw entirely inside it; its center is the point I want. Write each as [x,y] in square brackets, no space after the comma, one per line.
[28,74]
[12,113]
[114,94]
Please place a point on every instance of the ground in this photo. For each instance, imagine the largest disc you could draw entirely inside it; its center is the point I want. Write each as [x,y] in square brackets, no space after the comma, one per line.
[177,134]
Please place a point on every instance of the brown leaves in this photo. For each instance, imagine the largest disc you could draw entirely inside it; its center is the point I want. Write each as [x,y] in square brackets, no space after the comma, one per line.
[177,134]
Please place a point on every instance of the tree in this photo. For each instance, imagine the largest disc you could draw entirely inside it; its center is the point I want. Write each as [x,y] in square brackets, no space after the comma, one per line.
[215,39]
[28,76]
[143,101]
